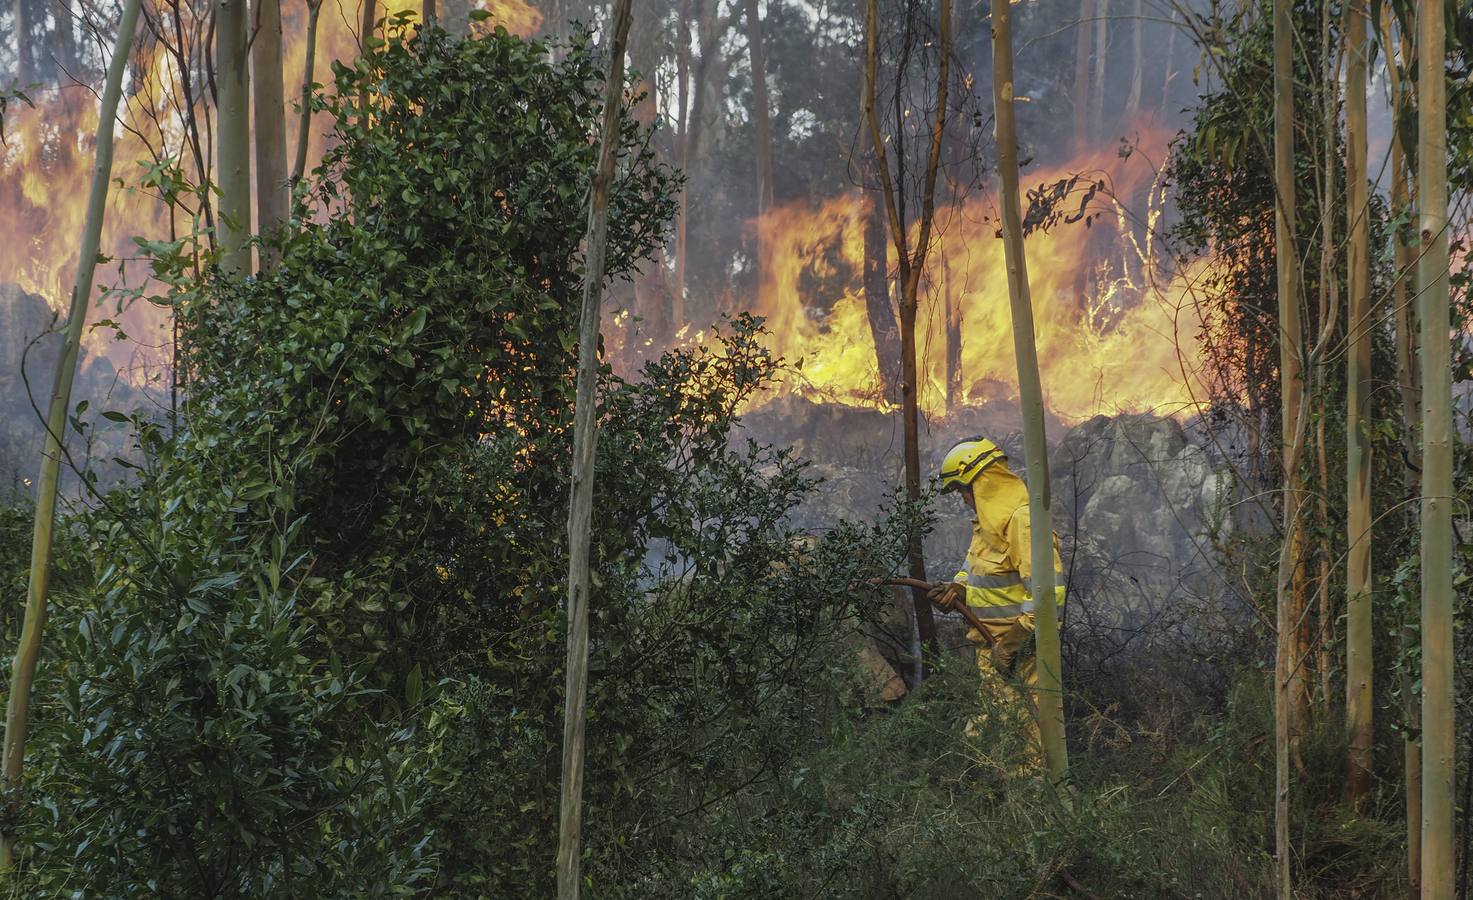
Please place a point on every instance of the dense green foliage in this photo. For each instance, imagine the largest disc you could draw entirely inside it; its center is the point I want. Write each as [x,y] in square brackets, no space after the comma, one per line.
[317,647]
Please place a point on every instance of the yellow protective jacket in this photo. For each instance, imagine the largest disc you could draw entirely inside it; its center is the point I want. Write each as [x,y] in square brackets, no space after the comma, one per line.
[999,562]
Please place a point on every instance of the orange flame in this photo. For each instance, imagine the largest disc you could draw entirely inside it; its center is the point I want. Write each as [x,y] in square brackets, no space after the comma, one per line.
[1110,338]
[46,165]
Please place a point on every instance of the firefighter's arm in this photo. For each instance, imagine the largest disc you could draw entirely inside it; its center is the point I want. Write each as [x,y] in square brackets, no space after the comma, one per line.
[1020,549]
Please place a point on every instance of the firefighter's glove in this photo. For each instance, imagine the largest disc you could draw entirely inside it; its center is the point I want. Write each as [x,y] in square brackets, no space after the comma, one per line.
[948,596]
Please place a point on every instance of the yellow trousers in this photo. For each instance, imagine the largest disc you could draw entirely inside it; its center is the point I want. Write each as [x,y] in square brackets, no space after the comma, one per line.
[1009,675]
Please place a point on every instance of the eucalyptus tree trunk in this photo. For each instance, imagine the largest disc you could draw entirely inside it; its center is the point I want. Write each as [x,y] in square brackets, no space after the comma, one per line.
[304,126]
[233,98]
[1358,661]
[1329,300]
[1081,73]
[682,145]
[585,434]
[25,54]
[761,111]
[1168,73]
[1286,662]
[66,39]
[1097,97]
[1041,533]
[1409,388]
[1133,102]
[428,13]
[23,671]
[911,264]
[272,199]
[1438,732]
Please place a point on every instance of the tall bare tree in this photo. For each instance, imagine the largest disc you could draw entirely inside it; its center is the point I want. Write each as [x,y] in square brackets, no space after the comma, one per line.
[682,158]
[233,104]
[1133,101]
[1286,664]
[304,126]
[1082,33]
[1102,51]
[272,199]
[585,435]
[1359,668]
[1041,533]
[23,671]
[25,53]
[910,260]
[761,107]
[1439,767]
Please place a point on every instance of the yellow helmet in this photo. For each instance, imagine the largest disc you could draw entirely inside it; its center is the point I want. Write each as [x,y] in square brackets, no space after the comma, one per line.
[965,461]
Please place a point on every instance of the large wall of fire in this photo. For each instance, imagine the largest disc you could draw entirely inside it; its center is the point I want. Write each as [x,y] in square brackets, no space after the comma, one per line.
[1116,328]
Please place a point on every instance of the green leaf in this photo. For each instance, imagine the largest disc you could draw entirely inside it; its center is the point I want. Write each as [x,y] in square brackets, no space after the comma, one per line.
[414,686]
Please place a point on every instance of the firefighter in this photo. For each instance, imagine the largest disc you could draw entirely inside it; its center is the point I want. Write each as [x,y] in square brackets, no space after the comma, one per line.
[995,583]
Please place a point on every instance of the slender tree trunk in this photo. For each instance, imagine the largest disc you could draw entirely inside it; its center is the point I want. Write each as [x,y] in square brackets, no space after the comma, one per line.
[911,265]
[652,296]
[272,206]
[1082,33]
[1102,49]
[1133,103]
[1438,731]
[682,143]
[233,89]
[25,54]
[1168,72]
[1030,389]
[428,13]
[1286,666]
[23,671]
[1329,301]
[1322,584]
[1409,388]
[304,127]
[880,312]
[1359,667]
[762,113]
[66,40]
[369,22]
[953,333]
[585,434]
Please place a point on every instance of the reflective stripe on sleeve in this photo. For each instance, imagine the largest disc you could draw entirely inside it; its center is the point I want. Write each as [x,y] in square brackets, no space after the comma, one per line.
[1006,579]
[1010,611]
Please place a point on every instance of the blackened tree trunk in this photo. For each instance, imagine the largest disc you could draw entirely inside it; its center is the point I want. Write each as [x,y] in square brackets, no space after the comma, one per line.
[877,305]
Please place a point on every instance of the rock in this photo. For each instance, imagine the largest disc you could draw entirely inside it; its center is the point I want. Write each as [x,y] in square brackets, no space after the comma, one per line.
[28,332]
[1134,498]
